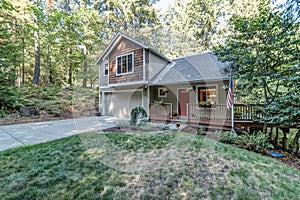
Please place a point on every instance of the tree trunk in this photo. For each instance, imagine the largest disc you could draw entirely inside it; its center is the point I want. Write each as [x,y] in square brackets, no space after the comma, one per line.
[51,73]
[36,75]
[37,67]
[271,133]
[23,55]
[84,81]
[296,143]
[265,128]
[285,140]
[276,140]
[70,74]
[48,64]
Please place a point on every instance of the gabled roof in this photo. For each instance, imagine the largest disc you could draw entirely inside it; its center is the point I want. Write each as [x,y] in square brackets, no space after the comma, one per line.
[196,68]
[117,39]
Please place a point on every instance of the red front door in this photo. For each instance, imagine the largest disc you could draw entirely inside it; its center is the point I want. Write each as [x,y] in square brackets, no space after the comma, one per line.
[183,101]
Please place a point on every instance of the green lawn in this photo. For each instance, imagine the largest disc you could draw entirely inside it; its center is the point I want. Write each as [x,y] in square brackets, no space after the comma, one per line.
[142,166]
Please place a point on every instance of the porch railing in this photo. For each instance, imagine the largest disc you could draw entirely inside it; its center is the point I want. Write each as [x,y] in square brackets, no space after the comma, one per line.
[160,111]
[242,112]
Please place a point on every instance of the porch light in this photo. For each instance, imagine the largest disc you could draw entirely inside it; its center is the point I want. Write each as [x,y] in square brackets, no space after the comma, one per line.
[145,90]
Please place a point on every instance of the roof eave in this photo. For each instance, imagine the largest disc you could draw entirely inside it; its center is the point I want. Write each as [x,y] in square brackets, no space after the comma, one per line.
[190,82]
[115,41]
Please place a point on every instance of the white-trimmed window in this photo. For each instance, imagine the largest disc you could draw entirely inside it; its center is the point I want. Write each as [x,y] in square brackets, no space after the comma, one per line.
[106,69]
[207,94]
[125,64]
[162,92]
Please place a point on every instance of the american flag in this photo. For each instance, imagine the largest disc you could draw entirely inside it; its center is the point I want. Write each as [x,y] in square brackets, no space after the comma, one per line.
[229,100]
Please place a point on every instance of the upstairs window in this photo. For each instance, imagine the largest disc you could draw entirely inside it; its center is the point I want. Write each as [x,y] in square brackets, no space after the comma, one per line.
[125,64]
[207,94]
[105,69]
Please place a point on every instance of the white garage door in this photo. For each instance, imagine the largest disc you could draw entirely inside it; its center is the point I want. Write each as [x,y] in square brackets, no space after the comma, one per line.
[120,104]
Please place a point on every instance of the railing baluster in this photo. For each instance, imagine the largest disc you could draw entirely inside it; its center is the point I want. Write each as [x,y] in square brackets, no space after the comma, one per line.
[218,112]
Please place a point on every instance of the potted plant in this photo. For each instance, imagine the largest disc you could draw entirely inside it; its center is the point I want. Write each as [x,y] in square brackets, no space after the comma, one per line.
[201,130]
[158,102]
[174,114]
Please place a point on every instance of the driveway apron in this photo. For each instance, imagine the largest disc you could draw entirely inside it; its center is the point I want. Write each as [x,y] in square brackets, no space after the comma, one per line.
[33,133]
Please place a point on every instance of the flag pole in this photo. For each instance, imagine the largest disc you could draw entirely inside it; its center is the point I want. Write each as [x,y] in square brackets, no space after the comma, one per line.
[230,100]
[232,107]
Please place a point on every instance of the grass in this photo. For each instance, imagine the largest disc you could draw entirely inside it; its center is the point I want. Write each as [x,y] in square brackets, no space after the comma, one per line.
[142,166]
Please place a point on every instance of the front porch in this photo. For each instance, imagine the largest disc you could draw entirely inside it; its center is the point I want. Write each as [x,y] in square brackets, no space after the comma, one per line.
[216,116]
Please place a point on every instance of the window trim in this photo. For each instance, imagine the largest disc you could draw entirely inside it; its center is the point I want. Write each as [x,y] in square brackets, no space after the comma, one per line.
[107,68]
[120,56]
[163,89]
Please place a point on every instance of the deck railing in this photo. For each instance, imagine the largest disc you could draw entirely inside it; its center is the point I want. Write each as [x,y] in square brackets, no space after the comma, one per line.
[242,112]
[248,112]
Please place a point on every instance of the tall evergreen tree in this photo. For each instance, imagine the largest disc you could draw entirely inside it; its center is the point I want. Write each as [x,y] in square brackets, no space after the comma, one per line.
[37,63]
[264,51]
[10,51]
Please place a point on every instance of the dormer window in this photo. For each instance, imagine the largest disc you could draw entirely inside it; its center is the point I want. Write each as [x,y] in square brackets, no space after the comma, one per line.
[106,69]
[125,64]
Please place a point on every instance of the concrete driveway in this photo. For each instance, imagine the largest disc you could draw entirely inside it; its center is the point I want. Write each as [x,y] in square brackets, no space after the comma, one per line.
[33,133]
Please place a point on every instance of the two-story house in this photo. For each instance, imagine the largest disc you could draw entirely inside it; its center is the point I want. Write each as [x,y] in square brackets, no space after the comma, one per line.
[133,74]
[126,67]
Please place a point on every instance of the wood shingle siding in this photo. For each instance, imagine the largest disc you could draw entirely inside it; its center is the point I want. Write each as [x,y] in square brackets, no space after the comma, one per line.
[124,47]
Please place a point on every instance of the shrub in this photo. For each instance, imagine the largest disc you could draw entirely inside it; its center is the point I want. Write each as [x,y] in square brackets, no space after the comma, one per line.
[259,141]
[123,124]
[262,141]
[228,137]
[138,115]
[246,140]
[9,100]
[165,127]
[145,126]
[2,113]
[201,130]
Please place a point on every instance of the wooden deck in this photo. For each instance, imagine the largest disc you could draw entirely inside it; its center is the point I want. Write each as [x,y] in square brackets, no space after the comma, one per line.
[217,116]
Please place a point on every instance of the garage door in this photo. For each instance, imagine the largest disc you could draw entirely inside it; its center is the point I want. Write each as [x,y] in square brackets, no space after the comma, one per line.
[120,104]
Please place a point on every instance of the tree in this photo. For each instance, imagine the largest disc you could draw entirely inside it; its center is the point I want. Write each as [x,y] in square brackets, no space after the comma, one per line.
[208,19]
[177,32]
[37,63]
[264,52]
[10,51]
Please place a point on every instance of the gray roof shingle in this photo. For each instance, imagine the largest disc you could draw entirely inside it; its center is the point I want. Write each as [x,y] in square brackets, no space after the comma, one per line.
[196,68]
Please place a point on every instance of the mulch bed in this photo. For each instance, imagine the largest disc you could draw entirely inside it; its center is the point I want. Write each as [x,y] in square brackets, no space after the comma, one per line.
[287,159]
